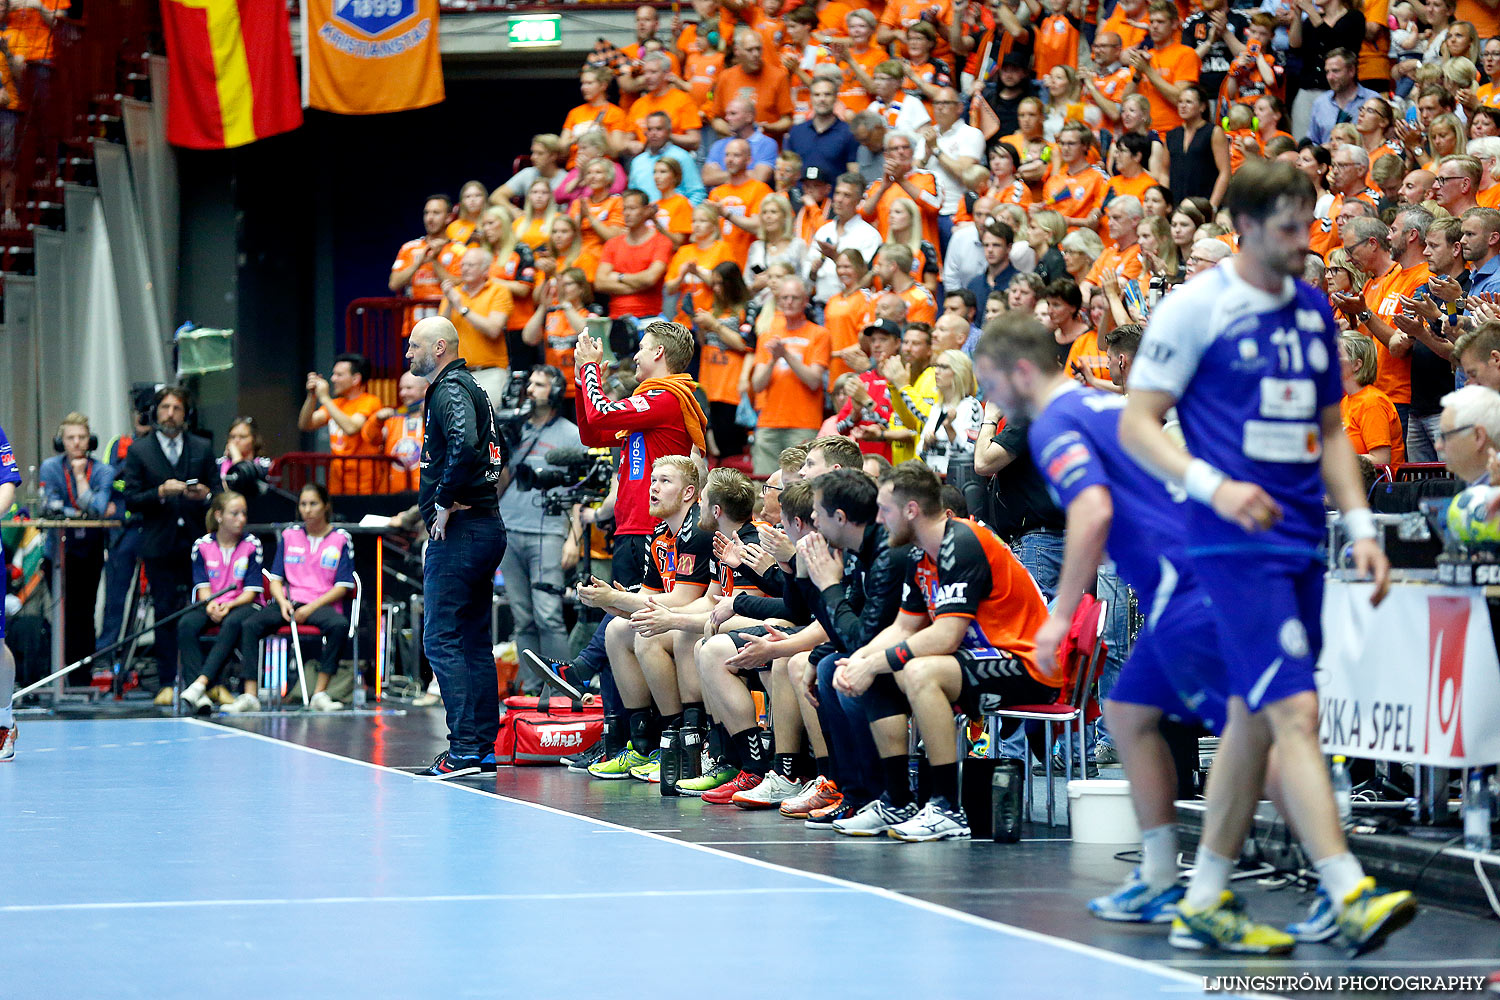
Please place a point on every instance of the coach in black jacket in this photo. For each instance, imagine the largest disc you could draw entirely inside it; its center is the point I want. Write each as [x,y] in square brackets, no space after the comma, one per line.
[459,501]
[169,477]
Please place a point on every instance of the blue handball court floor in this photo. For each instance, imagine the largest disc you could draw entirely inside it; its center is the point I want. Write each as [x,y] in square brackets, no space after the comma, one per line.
[167,858]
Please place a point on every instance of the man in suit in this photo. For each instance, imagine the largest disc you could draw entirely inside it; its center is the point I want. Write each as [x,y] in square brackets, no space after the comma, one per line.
[169,476]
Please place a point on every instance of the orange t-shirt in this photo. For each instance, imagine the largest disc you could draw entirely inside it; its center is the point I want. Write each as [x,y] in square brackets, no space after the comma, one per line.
[1126,262]
[879,214]
[475,348]
[31,38]
[902,14]
[1076,195]
[459,230]
[770,89]
[400,437]
[1484,18]
[671,102]
[1056,45]
[852,95]
[921,305]
[522,306]
[693,291]
[633,53]
[1130,35]
[1087,354]
[674,215]
[1138,185]
[1111,86]
[1393,376]
[747,197]
[1177,64]
[609,212]
[810,219]
[1370,421]
[533,234]
[1014,193]
[586,118]
[361,478]
[702,69]
[1489,197]
[426,283]
[844,316]
[558,340]
[719,367]
[786,401]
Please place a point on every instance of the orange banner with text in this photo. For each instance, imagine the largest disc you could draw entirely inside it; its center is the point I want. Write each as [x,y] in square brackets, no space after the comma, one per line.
[369,57]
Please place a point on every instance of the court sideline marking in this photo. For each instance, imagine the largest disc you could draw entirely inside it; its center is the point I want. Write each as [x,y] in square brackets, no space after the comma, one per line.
[1126,961]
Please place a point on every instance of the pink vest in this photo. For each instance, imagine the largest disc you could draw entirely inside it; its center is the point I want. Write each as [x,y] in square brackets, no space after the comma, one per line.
[241,569]
[311,569]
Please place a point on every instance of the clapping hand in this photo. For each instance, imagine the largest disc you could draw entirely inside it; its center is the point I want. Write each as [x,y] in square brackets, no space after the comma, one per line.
[757,650]
[653,619]
[587,351]
[728,550]
[823,568]
[774,540]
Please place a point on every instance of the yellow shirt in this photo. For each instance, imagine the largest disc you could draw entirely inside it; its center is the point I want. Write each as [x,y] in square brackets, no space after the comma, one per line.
[909,409]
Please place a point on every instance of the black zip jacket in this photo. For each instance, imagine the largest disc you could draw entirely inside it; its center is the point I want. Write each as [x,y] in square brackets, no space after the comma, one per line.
[461,449]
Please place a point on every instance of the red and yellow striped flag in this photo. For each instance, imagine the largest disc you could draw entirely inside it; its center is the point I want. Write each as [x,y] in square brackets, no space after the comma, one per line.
[231,75]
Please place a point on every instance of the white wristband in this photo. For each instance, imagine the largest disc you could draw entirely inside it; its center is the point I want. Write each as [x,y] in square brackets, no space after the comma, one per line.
[1360,524]
[1202,481]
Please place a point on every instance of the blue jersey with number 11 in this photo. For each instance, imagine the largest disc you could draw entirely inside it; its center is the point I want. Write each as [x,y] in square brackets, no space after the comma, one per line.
[1251,372]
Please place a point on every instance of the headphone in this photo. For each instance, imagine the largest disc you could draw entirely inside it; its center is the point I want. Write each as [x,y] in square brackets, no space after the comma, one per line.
[57,441]
[559,384]
[190,417]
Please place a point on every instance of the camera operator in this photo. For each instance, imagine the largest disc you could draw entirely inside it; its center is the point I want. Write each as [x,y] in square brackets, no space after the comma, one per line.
[461,460]
[542,547]
[660,418]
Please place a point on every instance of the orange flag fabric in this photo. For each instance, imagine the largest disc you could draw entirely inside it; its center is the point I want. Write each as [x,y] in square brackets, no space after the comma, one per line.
[370,57]
[231,78]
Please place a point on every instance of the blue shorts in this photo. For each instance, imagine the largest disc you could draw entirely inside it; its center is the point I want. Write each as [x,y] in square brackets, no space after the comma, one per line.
[1176,665]
[1269,614]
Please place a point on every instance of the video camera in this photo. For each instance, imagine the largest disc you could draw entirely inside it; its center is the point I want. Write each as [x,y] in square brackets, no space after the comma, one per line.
[571,476]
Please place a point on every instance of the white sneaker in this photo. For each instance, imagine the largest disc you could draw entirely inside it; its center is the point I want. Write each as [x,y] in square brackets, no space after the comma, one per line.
[937,821]
[7,743]
[320,702]
[874,818]
[770,792]
[244,703]
[194,697]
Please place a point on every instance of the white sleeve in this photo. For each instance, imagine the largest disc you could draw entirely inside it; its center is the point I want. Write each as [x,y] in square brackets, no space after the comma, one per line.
[1176,337]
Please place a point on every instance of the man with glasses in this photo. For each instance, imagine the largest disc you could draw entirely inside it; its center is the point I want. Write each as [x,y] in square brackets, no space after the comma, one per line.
[1206,253]
[1327,108]
[1348,180]
[1457,183]
[1076,191]
[1105,87]
[953,146]
[900,180]
[1469,431]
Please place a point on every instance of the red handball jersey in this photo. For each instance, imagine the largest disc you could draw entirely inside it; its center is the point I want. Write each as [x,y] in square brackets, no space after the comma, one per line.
[654,427]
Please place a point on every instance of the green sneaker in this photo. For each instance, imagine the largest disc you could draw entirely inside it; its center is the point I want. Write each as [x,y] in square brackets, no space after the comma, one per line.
[715,773]
[618,766]
[649,772]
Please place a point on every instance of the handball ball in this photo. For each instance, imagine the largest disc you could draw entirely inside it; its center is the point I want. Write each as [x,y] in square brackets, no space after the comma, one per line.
[1467,520]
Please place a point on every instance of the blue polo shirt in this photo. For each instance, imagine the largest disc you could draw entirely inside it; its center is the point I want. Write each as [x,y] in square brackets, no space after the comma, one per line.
[644,162]
[831,150]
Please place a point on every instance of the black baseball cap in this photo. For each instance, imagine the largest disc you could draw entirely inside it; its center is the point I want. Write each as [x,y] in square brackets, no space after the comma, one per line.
[884,326]
[815,174]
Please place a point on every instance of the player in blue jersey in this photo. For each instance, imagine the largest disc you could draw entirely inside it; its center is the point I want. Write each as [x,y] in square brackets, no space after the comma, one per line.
[1111,502]
[1248,356]
[10,478]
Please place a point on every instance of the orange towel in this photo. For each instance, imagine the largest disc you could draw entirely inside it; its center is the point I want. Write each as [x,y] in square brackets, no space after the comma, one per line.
[682,386]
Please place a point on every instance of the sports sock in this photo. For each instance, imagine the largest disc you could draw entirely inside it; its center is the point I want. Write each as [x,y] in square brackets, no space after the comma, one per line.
[897,780]
[7,684]
[1340,875]
[1210,878]
[640,730]
[823,766]
[786,765]
[1159,856]
[720,746]
[694,715]
[751,751]
[945,782]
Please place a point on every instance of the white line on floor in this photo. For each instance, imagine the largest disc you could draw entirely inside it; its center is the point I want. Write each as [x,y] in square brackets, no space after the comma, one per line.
[1127,961]
[170,904]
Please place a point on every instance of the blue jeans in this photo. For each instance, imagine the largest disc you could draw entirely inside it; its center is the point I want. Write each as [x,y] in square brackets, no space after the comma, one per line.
[1422,437]
[856,762]
[1041,552]
[458,579]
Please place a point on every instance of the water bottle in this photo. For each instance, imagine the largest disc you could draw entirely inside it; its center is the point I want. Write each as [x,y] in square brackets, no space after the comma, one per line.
[1477,811]
[1005,801]
[1343,790]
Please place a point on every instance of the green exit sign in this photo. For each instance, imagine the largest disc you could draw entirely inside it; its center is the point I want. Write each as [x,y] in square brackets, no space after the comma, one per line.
[536,31]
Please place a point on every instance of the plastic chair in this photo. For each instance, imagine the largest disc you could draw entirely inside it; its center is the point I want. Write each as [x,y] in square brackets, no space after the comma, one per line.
[1073,700]
[273,667]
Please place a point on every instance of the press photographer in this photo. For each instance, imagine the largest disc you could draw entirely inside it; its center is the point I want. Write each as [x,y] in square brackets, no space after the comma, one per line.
[542,523]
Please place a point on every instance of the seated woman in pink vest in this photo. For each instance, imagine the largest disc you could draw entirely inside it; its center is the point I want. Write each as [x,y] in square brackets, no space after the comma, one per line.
[311,578]
[225,557]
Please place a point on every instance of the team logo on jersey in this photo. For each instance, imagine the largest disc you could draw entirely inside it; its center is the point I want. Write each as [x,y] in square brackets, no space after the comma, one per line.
[685,564]
[241,567]
[1249,349]
[1071,459]
[947,552]
[949,593]
[1293,639]
[329,559]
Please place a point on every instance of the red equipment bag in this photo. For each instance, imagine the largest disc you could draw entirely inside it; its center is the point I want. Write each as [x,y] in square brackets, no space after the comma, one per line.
[530,734]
